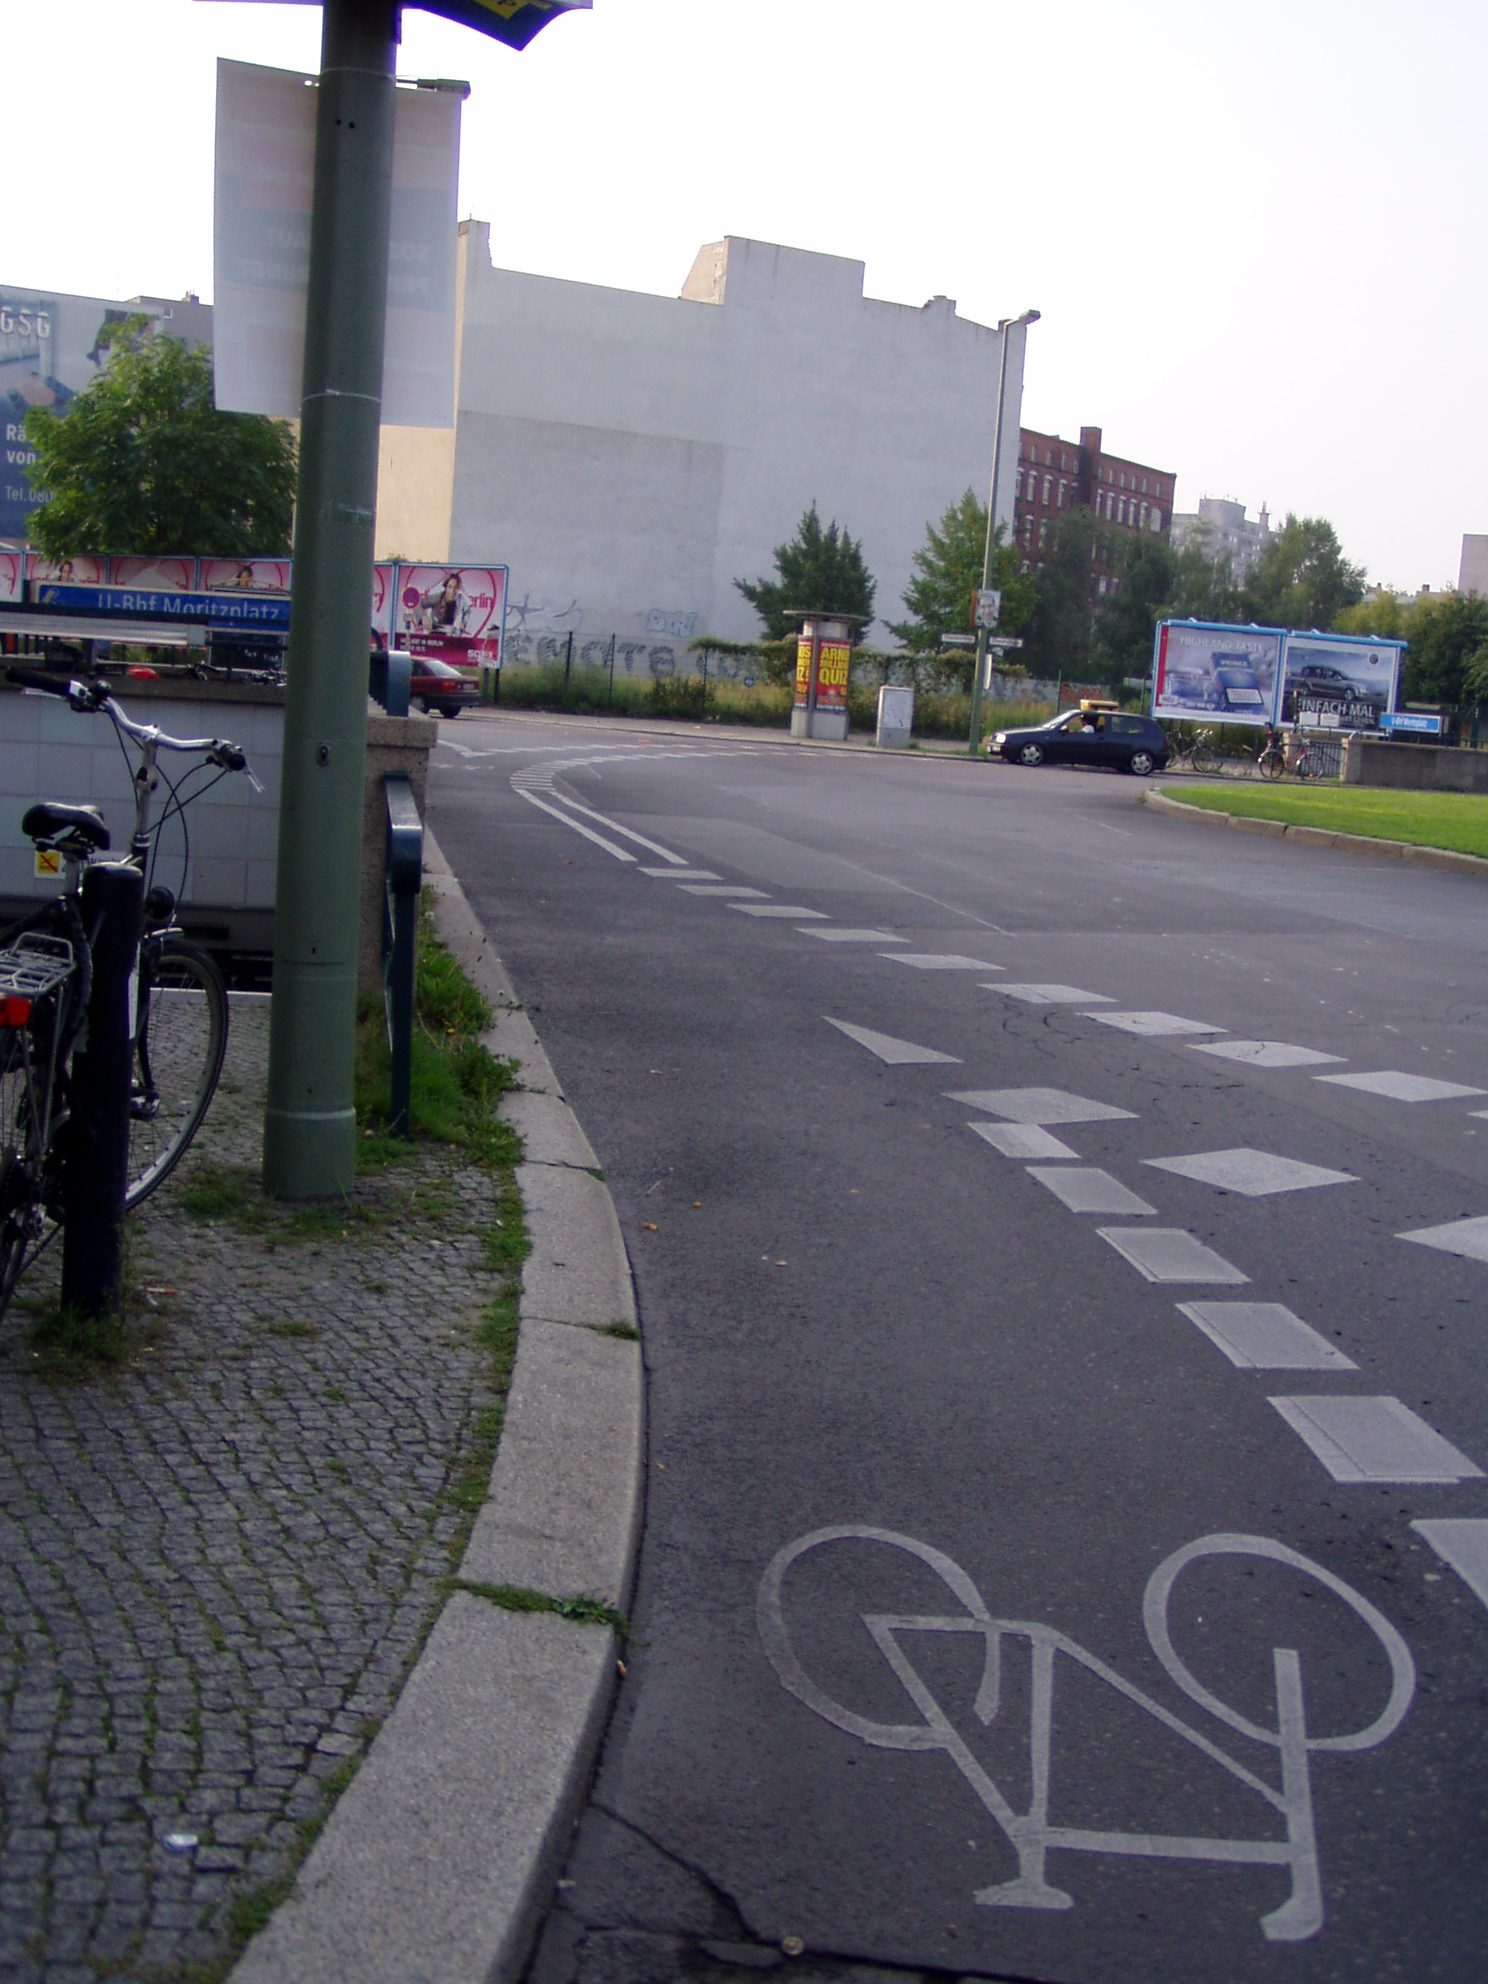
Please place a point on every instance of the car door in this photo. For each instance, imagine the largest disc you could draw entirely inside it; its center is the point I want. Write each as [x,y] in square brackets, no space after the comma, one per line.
[1082,746]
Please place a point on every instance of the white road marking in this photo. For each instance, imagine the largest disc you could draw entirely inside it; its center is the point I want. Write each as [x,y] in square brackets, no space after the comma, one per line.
[1402,1087]
[1265,1336]
[1255,1173]
[1478,1112]
[1086,1188]
[777,909]
[1462,1542]
[1374,1439]
[720,889]
[1263,1053]
[676,860]
[1467,1237]
[683,874]
[599,840]
[1022,1140]
[941,961]
[1153,1024]
[1041,1105]
[1052,995]
[897,1053]
[854,936]
[1167,1253]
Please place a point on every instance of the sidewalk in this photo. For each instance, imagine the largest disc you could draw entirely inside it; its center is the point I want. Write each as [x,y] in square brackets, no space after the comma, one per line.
[219,1563]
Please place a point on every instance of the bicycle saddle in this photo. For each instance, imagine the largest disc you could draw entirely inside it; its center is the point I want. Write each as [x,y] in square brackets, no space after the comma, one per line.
[50,819]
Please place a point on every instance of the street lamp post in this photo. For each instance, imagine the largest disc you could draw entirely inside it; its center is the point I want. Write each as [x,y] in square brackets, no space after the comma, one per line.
[1006,326]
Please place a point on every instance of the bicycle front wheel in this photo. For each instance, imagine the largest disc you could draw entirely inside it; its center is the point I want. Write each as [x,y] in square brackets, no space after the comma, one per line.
[1206,760]
[180,1039]
[1272,763]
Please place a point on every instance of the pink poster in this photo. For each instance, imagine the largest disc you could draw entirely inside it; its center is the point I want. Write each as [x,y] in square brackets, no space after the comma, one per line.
[265,575]
[453,611]
[382,605]
[10,575]
[154,574]
[81,570]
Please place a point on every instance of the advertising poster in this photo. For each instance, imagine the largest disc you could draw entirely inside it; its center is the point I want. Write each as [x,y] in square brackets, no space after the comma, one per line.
[1203,672]
[831,675]
[803,671]
[452,611]
[1332,682]
[153,574]
[382,605]
[245,575]
[10,576]
[82,570]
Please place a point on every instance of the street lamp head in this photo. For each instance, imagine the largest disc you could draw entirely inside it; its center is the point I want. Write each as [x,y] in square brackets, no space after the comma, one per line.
[1030,316]
[1012,323]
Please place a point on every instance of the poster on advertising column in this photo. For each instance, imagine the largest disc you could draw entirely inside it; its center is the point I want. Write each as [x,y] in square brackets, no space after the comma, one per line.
[453,612]
[1203,671]
[1338,682]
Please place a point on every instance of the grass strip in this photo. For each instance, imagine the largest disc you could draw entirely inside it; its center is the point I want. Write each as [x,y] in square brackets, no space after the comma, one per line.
[1456,821]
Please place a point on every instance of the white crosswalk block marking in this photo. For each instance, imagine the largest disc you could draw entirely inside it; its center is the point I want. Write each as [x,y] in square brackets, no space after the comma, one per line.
[1255,1173]
[1374,1439]
[1401,1086]
[1040,1105]
[1022,1140]
[721,889]
[1154,1024]
[683,874]
[1263,1053]
[855,936]
[1051,995]
[1265,1336]
[793,910]
[1467,1237]
[897,1053]
[1086,1188]
[941,961]
[1167,1253]
[1462,1542]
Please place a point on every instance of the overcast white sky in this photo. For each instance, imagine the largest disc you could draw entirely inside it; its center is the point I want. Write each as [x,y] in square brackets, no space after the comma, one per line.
[1254,230]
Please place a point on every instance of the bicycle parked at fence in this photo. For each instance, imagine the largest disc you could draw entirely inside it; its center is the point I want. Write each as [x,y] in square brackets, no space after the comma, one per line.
[179,1019]
[1293,752]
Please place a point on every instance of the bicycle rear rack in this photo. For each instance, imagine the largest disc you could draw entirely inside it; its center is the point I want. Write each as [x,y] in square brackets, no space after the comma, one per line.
[34,966]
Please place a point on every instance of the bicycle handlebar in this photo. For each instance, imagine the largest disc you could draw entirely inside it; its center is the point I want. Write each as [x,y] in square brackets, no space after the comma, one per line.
[90,698]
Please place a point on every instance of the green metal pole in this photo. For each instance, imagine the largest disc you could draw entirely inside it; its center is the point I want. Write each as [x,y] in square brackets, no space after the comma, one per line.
[979,665]
[309,1126]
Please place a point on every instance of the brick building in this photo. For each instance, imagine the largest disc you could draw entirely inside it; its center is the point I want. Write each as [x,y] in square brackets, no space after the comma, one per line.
[1055,477]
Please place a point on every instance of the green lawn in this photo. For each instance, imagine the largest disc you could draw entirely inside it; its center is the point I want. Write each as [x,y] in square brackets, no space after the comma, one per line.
[1455,820]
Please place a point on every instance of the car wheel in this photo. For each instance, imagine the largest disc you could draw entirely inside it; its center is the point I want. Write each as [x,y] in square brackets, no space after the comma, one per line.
[1140,763]
[449,709]
[1031,754]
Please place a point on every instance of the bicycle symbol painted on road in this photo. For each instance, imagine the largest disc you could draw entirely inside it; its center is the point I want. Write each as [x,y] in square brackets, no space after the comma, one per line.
[1030,1833]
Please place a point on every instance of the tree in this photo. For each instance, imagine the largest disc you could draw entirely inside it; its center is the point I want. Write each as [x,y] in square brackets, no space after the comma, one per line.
[1203,586]
[821,571]
[948,570]
[1448,638]
[1148,573]
[1059,627]
[143,461]
[1302,578]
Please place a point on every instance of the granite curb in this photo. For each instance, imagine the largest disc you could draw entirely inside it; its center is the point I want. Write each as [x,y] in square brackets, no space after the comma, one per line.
[436,1865]
[1393,850]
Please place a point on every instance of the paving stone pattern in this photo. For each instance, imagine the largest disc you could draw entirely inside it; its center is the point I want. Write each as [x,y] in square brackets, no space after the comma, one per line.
[218,1563]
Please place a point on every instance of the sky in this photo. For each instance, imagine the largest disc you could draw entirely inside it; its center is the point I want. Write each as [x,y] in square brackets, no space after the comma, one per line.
[1248,227]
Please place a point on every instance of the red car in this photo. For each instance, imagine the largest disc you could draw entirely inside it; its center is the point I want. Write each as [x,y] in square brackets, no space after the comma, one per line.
[439,686]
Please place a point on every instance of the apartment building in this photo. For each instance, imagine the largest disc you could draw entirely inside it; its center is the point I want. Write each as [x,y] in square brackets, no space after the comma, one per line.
[1056,476]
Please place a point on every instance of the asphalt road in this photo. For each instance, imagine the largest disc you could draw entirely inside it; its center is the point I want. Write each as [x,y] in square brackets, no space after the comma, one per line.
[1042,1429]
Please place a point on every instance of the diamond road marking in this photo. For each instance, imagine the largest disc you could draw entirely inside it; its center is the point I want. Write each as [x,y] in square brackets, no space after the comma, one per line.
[854,936]
[1462,1542]
[1040,1105]
[897,1053]
[1089,1189]
[1264,1053]
[720,889]
[683,874]
[1052,995]
[1167,1253]
[792,910]
[942,961]
[1467,1237]
[1255,1173]
[1265,1336]
[1374,1439]
[1402,1087]
[1154,1023]
[1022,1140]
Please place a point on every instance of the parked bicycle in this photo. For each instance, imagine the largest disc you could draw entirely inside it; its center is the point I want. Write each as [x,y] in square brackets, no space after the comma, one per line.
[179,1017]
[1293,752]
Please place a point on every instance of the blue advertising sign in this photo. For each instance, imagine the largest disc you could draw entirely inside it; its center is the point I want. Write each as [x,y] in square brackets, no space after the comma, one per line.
[217,609]
[1413,720]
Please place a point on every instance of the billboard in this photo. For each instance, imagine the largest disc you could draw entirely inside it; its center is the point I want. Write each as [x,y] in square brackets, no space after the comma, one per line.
[83,569]
[245,575]
[455,612]
[1202,671]
[153,574]
[1338,682]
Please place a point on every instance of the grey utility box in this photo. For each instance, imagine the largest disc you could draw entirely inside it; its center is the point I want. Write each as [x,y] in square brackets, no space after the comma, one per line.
[895,718]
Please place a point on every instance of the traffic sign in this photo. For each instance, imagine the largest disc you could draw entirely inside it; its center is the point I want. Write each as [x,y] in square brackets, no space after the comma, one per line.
[1002,642]
[513,21]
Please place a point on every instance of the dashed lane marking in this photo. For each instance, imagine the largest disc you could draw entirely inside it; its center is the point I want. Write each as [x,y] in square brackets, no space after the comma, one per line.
[1022,1140]
[1089,1189]
[897,1053]
[1254,1173]
[1167,1253]
[1374,1439]
[684,874]
[793,909]
[1467,1237]
[1041,1105]
[1462,1542]
[941,961]
[1052,995]
[720,889]
[1154,1025]
[1400,1086]
[1263,1053]
[1265,1336]
[854,936]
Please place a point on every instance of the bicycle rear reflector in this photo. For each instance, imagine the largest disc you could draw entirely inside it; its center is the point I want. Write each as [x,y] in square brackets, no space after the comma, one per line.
[14,1011]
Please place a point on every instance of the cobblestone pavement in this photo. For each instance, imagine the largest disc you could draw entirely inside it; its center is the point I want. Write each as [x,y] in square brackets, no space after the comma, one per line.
[217,1562]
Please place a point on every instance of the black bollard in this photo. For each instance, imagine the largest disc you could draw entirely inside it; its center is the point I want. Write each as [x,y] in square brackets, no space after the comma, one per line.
[96,1159]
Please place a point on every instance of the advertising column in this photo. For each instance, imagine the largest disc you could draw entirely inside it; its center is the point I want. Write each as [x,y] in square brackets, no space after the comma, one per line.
[823,656]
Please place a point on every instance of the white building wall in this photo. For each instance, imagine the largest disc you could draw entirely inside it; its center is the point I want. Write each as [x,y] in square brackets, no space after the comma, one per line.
[629,456]
[1472,574]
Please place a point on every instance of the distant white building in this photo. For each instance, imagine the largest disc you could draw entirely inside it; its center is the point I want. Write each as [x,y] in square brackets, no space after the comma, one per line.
[1225,531]
[1472,574]
[629,456]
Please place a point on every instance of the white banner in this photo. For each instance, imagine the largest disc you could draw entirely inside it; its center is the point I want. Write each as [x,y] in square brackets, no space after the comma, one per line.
[265,179]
